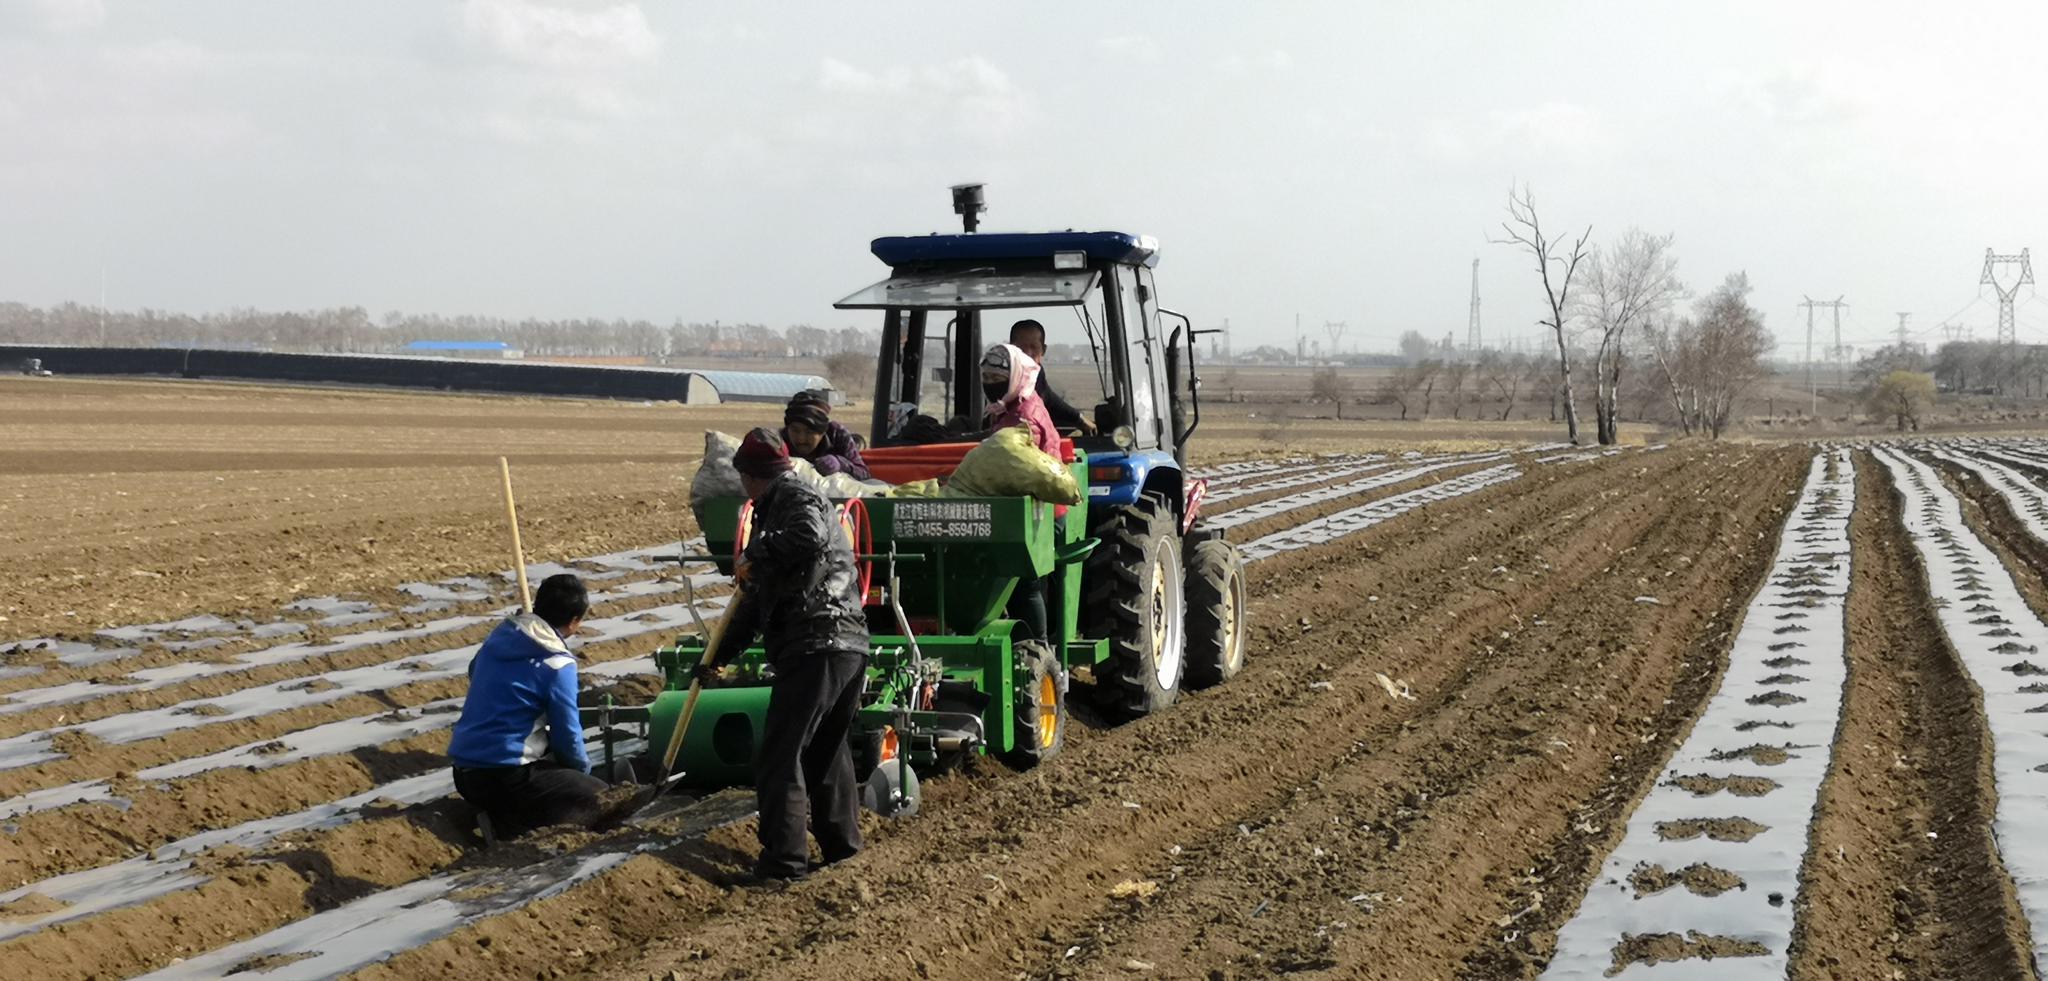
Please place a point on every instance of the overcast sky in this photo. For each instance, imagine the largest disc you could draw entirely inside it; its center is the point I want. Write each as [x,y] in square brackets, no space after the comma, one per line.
[1345,161]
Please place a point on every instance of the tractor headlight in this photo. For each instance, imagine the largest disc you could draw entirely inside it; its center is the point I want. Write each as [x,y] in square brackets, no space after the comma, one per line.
[1124,438]
[1070,260]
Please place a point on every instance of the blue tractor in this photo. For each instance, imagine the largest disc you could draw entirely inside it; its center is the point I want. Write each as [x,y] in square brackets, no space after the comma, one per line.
[1158,604]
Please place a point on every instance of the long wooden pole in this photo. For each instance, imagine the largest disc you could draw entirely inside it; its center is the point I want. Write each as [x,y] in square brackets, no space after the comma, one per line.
[518,551]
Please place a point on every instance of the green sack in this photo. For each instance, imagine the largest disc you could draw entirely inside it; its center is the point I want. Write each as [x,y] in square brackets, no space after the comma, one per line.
[1010,464]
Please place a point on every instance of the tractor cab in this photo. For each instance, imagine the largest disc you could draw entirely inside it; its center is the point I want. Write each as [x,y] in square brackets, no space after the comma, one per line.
[1122,360]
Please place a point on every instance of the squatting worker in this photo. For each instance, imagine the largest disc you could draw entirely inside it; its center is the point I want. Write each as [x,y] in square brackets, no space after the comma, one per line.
[799,592]
[518,745]
[808,429]
[1029,337]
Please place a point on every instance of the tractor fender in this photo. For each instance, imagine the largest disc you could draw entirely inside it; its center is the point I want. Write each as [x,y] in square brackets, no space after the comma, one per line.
[1119,479]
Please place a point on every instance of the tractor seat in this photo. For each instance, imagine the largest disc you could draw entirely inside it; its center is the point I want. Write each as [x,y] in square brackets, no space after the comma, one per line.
[904,464]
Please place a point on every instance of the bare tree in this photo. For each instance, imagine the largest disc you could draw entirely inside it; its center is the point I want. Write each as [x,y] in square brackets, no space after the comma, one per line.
[1398,387]
[1525,231]
[1625,283]
[1426,374]
[1708,362]
[1504,372]
[1456,374]
[1326,385]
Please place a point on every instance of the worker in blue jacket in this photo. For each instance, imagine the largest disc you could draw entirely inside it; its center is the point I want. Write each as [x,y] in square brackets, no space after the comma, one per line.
[518,745]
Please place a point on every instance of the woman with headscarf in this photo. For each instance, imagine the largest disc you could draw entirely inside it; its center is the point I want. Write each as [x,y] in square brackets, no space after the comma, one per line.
[1010,380]
[810,433]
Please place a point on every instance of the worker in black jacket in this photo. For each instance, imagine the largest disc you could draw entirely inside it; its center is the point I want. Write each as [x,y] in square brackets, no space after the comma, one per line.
[1029,337]
[799,591]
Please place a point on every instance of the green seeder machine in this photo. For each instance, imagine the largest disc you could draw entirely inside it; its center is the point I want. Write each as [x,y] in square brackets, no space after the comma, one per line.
[1141,596]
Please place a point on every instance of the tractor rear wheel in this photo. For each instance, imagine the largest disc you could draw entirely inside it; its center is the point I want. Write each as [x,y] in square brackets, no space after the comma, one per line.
[1039,717]
[1216,595]
[1134,600]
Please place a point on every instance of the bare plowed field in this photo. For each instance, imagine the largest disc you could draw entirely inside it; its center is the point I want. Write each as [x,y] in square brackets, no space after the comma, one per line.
[1753,712]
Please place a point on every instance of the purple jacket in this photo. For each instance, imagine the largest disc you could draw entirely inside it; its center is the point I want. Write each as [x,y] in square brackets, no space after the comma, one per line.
[836,452]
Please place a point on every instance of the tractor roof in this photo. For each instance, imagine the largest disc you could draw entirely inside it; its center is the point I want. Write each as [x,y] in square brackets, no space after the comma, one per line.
[897,250]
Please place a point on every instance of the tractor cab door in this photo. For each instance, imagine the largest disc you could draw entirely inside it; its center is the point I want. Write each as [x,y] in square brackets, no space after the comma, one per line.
[1140,351]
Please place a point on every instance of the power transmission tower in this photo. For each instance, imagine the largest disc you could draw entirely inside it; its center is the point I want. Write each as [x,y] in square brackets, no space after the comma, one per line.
[1812,390]
[1335,328]
[2005,294]
[1472,330]
[1902,328]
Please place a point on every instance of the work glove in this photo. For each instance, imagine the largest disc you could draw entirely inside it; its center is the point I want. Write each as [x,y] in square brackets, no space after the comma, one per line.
[707,675]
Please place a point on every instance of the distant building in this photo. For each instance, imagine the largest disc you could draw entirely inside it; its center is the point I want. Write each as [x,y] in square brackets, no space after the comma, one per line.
[483,350]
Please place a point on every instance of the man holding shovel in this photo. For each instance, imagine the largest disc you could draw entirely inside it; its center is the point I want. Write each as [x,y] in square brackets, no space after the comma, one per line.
[799,591]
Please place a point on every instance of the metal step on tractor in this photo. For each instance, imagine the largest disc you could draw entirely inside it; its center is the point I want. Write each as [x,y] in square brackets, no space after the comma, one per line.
[1141,598]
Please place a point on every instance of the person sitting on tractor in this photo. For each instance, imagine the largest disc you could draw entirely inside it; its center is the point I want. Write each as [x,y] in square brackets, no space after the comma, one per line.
[1008,378]
[810,433]
[518,745]
[1029,336]
[799,591]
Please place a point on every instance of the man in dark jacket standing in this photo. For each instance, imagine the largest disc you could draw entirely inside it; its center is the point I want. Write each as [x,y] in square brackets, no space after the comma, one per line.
[800,592]
[518,745]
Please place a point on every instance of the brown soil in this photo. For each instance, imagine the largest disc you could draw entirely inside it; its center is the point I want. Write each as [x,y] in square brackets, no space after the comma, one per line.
[1719,829]
[174,498]
[1657,948]
[1706,786]
[1536,691]
[1704,880]
[1903,879]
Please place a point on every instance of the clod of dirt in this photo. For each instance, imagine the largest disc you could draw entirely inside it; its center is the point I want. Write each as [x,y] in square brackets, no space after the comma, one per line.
[1698,878]
[271,748]
[1782,679]
[31,905]
[1702,785]
[207,709]
[1787,661]
[1134,890]
[1719,829]
[2037,688]
[313,685]
[1755,724]
[2025,669]
[1656,948]
[1774,699]
[270,962]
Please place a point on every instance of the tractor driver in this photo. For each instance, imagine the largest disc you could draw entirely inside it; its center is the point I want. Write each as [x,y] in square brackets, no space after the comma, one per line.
[799,590]
[518,745]
[1029,337]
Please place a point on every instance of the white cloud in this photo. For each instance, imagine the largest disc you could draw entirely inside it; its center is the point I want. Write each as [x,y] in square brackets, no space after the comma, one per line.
[1131,47]
[51,16]
[968,97]
[1237,63]
[1805,94]
[1553,131]
[575,36]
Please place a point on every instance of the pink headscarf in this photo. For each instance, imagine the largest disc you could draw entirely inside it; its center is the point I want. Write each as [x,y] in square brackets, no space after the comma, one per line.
[1020,403]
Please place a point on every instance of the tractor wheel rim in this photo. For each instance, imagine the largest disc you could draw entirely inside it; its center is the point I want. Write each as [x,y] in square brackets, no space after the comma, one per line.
[1233,614]
[1166,625]
[1048,712]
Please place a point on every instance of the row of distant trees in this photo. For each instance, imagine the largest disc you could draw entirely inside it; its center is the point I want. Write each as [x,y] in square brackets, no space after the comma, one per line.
[353,330]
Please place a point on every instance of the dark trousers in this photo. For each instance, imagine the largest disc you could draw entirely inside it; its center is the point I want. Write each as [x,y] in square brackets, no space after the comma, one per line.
[522,798]
[806,768]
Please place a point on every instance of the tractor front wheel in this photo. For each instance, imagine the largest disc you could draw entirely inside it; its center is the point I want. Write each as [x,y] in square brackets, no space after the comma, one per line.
[1040,711]
[1135,601]
[1216,594]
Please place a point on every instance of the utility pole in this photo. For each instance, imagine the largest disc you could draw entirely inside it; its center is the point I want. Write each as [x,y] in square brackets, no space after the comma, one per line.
[1300,348]
[2005,295]
[1472,329]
